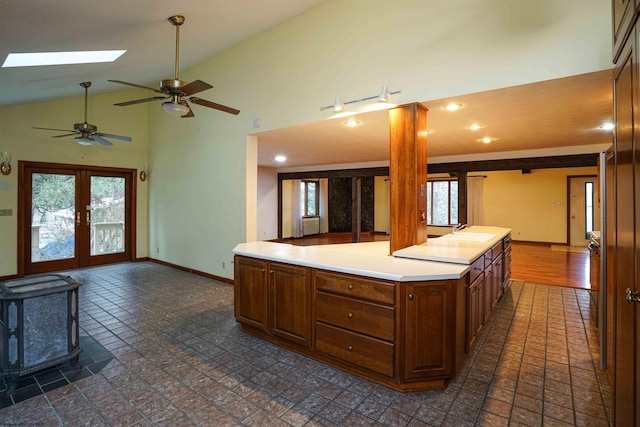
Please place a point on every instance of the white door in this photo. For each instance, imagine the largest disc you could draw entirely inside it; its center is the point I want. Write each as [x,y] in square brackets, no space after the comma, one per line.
[584,209]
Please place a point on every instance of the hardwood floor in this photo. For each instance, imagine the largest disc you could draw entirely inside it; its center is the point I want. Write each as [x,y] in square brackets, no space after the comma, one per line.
[538,263]
[530,262]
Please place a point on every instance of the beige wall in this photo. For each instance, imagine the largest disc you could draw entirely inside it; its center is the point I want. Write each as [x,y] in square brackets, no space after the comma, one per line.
[202,185]
[533,205]
[27,144]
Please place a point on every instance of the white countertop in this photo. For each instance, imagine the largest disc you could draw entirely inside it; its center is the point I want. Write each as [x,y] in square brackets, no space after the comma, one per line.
[370,259]
[459,252]
[437,259]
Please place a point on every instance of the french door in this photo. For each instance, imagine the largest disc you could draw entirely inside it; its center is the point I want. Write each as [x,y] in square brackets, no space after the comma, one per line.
[74,216]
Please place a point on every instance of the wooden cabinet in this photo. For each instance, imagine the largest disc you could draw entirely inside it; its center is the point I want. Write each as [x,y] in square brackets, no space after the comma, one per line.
[623,221]
[273,298]
[488,276]
[290,303]
[429,330]
[506,266]
[475,319]
[475,301]
[406,336]
[250,293]
[624,12]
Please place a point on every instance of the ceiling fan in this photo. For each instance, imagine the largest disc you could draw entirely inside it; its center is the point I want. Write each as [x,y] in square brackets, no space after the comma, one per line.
[175,91]
[88,133]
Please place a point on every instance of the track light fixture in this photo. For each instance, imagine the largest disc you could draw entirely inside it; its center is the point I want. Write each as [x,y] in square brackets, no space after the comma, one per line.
[383,96]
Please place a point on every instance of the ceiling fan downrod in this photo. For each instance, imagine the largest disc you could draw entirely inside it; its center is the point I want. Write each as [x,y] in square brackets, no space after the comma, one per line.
[177,21]
[86,86]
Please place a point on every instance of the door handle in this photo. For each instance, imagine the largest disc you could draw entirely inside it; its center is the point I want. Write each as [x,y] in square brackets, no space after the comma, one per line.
[88,218]
[77,218]
[632,296]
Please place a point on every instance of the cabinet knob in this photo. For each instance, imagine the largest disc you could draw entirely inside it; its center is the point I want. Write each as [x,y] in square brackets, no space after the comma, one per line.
[350,315]
[263,270]
[350,287]
[271,271]
[411,297]
[350,348]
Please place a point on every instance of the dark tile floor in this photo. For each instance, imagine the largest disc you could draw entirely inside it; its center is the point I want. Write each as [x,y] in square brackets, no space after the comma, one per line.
[179,359]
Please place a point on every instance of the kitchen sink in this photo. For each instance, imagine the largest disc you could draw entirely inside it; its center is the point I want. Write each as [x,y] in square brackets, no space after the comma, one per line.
[469,237]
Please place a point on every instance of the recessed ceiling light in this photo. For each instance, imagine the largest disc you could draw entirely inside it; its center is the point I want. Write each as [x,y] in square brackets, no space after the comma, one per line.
[607,126]
[35,59]
[352,123]
[475,126]
[280,158]
[452,106]
[486,140]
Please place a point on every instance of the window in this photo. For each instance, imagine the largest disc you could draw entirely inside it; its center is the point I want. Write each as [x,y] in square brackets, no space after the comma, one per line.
[589,208]
[309,198]
[442,202]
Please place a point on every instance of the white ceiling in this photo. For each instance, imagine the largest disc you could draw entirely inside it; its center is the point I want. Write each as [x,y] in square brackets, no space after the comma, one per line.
[139,26]
[546,115]
[540,116]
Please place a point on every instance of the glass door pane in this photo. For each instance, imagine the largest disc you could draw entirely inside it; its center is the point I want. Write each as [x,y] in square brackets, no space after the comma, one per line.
[52,217]
[107,215]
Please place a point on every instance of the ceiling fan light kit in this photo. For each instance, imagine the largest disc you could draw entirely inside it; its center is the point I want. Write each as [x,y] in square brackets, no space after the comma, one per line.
[176,94]
[88,133]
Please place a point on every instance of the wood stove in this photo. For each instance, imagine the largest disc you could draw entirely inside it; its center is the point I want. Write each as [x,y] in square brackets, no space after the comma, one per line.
[38,325]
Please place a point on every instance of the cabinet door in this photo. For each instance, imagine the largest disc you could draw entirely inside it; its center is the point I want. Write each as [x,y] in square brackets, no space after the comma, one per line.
[290,303]
[498,276]
[250,292]
[430,327]
[623,12]
[475,316]
[487,302]
[624,271]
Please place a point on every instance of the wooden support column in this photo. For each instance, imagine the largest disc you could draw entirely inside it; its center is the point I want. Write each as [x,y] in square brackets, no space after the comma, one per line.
[408,176]
[462,197]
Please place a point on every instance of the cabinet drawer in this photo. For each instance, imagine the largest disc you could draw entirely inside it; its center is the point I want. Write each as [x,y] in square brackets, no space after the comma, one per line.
[496,250]
[367,318]
[373,290]
[488,258]
[360,350]
[506,242]
[476,269]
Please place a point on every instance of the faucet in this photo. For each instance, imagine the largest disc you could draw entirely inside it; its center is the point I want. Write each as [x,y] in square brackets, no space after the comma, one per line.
[457,228]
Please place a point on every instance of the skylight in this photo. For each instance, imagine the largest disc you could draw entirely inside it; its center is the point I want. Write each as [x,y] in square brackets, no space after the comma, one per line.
[36,59]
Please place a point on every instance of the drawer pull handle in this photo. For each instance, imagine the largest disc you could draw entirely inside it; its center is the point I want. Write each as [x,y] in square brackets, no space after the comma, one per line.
[350,315]
[410,297]
[350,287]
[350,348]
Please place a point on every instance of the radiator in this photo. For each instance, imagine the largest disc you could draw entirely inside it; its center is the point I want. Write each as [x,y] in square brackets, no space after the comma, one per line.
[310,226]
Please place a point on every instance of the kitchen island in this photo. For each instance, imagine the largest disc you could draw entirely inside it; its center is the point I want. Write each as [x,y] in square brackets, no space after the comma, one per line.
[404,321]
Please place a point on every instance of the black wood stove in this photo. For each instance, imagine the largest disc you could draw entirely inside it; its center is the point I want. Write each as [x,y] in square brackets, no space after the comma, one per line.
[38,325]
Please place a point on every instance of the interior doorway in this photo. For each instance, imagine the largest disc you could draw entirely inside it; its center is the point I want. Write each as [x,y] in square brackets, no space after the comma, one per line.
[583,209]
[73,216]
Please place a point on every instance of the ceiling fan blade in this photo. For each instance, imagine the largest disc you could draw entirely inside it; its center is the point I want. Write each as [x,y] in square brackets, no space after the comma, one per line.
[67,134]
[135,85]
[195,87]
[210,104]
[110,135]
[60,130]
[139,101]
[101,140]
